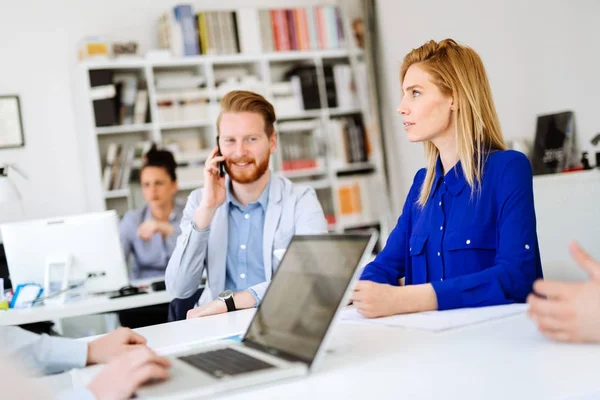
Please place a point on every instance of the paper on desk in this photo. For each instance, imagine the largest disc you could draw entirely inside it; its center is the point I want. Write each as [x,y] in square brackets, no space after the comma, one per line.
[437,321]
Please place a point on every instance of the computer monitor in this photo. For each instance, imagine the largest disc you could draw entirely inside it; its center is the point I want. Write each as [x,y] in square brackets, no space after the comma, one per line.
[90,241]
[4,268]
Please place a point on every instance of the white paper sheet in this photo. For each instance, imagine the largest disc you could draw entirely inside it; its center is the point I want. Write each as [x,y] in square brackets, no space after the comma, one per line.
[437,321]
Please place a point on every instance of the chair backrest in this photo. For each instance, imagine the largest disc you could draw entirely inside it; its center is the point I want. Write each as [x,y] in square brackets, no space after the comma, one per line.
[178,308]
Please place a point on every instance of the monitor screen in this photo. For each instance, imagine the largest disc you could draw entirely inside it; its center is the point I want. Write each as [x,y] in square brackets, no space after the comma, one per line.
[4,268]
[306,292]
[84,247]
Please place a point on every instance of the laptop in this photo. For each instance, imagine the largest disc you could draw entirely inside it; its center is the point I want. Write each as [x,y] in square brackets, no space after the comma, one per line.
[289,332]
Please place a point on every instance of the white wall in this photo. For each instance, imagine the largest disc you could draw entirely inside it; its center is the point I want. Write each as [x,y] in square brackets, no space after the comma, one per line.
[541,56]
[38,59]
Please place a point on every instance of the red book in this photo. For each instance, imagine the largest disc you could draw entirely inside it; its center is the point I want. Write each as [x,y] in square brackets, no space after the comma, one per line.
[275,29]
[284,30]
[321,32]
[302,24]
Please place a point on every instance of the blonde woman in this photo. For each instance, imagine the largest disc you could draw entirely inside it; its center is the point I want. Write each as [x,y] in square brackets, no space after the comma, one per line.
[467,233]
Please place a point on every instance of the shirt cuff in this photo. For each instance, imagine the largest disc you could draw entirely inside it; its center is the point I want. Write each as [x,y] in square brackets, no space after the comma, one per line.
[65,354]
[78,394]
[448,296]
[198,230]
[256,298]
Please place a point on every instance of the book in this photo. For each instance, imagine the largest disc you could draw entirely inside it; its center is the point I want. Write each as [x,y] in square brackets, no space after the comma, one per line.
[185,21]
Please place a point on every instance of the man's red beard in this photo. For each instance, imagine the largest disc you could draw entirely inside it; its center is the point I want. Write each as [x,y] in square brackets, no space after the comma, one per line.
[253,172]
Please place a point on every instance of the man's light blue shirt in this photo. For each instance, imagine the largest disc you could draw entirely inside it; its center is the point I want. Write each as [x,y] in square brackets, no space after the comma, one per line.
[244,266]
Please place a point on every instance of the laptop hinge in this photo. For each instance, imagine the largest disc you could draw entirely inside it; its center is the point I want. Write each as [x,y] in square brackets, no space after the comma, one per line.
[275,352]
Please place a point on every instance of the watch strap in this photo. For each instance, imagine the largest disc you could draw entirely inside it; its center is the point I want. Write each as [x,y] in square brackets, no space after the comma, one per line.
[230,304]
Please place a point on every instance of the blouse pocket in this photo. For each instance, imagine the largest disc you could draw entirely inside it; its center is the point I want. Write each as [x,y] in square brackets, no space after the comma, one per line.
[417,251]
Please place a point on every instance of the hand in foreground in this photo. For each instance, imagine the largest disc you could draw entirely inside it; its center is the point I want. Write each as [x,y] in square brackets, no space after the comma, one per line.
[113,344]
[125,374]
[569,312]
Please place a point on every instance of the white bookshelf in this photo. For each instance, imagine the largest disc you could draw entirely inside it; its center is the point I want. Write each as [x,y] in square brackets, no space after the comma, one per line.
[120,129]
[268,68]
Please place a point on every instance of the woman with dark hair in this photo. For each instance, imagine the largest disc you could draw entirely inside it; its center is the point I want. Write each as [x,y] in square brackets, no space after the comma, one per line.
[149,234]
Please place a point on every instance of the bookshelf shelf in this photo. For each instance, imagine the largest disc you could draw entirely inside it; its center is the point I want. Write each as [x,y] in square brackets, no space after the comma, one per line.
[334,112]
[304,173]
[323,98]
[192,156]
[138,62]
[320,184]
[184,124]
[191,185]
[116,194]
[118,129]
[300,115]
[359,166]
[118,63]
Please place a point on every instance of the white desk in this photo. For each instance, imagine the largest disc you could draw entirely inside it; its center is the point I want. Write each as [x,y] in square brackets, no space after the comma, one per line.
[503,359]
[87,306]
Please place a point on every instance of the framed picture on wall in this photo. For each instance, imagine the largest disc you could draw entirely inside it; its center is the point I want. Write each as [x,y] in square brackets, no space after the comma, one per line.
[11,123]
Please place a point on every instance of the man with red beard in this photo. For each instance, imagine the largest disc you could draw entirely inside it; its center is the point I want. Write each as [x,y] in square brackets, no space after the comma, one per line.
[234,225]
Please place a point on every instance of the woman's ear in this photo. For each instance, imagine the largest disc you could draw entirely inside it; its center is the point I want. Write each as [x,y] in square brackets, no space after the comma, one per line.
[453,104]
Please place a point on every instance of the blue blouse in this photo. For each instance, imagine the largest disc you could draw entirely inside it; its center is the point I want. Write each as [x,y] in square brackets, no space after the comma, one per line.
[475,248]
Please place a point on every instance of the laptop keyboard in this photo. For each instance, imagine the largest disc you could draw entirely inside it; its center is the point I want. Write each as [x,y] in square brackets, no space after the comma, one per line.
[225,362]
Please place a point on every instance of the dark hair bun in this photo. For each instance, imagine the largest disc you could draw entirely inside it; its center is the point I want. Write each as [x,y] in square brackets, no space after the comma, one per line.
[161,159]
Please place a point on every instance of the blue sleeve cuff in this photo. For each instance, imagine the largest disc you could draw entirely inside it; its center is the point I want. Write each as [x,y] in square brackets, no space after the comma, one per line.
[448,297]
[256,298]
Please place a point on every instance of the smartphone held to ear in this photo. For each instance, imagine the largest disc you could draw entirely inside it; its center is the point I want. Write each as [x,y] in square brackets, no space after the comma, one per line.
[220,163]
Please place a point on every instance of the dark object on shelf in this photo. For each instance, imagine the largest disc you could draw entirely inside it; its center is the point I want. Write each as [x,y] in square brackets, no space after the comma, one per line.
[105,97]
[127,291]
[124,49]
[596,139]
[598,159]
[554,143]
[585,161]
[158,286]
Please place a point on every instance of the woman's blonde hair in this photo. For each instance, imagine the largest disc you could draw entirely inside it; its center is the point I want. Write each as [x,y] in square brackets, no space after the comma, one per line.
[458,71]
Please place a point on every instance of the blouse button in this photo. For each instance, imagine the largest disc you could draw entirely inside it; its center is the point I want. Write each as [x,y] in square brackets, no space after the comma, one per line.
[527,246]
[468,241]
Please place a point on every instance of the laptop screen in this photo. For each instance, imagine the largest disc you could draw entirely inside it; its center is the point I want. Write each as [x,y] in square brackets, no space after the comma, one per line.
[305,293]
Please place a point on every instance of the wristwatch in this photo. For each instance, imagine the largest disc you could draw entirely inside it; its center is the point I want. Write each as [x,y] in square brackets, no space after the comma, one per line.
[227,298]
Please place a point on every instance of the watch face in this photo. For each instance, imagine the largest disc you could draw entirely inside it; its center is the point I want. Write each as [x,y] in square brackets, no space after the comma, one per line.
[226,294]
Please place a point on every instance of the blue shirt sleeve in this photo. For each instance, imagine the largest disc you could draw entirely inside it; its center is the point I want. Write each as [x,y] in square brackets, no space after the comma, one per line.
[390,264]
[127,230]
[48,354]
[515,267]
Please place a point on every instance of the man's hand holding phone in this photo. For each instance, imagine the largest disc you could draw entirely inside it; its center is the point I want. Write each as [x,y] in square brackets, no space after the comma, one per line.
[213,193]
